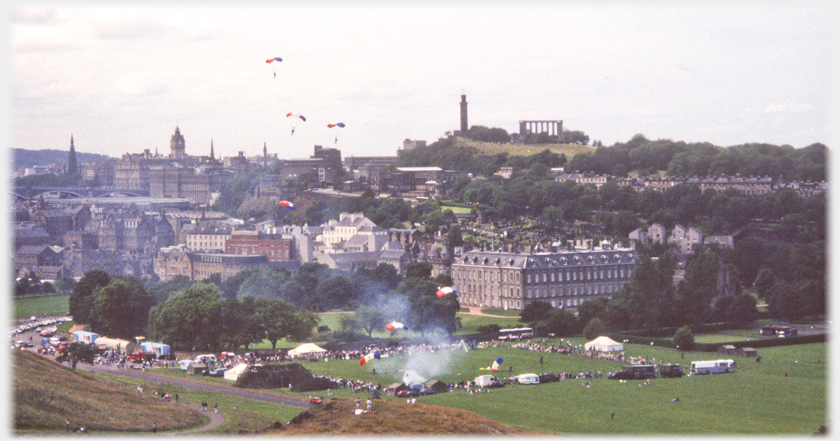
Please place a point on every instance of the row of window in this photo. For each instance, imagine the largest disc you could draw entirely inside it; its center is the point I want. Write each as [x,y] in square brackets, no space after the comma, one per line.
[615,272]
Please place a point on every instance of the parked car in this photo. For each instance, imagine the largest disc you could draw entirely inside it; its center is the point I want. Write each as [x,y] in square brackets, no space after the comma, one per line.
[425,391]
[316,400]
[494,384]
[216,372]
[407,393]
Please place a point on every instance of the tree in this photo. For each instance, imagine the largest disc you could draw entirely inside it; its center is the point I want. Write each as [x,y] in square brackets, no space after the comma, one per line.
[121,308]
[593,329]
[742,310]
[335,292]
[281,320]
[369,318]
[684,339]
[189,319]
[418,270]
[534,311]
[84,293]
[557,322]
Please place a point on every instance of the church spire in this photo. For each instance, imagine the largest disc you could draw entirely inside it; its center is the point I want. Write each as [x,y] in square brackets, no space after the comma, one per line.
[212,157]
[72,167]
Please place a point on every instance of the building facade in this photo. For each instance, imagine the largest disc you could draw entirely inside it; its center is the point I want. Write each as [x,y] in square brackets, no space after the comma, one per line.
[563,279]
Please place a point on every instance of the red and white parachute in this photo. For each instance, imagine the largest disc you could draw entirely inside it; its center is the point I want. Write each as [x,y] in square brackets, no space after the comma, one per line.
[271,60]
[496,363]
[447,290]
[338,124]
[296,114]
[369,357]
[287,204]
[395,325]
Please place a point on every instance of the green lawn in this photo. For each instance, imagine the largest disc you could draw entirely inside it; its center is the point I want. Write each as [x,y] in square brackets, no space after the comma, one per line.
[50,305]
[745,402]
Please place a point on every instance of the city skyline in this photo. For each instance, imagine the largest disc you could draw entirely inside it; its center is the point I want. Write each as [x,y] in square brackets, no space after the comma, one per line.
[120,79]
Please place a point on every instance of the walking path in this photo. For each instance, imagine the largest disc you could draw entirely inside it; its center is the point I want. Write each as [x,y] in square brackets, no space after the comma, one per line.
[216,420]
[476,310]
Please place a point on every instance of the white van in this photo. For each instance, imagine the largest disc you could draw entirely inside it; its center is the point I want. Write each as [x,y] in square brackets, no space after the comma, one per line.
[184,364]
[712,367]
[527,379]
[483,380]
[205,358]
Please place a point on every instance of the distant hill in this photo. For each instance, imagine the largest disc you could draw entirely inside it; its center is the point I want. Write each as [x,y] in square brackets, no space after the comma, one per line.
[22,158]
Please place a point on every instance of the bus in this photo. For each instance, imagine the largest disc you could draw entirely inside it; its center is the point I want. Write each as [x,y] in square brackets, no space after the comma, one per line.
[712,367]
[515,333]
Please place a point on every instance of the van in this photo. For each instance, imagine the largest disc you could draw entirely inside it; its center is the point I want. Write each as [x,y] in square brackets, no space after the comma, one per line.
[712,367]
[527,379]
[205,358]
[483,380]
[184,364]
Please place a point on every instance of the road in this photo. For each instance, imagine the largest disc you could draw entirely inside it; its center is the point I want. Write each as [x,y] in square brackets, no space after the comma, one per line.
[153,377]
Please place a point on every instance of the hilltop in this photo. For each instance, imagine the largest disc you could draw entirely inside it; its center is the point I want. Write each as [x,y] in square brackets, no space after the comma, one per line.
[490,148]
[390,417]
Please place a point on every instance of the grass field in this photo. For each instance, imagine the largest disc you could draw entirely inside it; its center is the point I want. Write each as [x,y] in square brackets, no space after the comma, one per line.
[50,305]
[488,148]
[746,402]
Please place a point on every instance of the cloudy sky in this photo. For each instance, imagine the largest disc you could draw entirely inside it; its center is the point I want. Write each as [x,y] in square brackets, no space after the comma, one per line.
[121,78]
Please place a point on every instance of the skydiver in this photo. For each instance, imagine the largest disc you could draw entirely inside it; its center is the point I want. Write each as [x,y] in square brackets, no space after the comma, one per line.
[293,130]
[275,74]
[336,139]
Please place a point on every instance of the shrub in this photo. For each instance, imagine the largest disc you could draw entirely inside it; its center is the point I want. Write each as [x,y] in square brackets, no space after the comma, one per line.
[684,339]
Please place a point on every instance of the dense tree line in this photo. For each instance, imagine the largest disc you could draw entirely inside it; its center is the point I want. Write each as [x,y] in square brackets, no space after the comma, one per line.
[704,159]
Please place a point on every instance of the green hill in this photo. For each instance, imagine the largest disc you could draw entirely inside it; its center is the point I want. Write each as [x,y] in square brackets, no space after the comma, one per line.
[22,158]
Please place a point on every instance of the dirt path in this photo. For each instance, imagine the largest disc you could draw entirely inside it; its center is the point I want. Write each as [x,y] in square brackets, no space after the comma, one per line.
[476,310]
[216,420]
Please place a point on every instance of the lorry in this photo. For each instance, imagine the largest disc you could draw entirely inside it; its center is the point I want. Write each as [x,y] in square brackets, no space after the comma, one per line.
[634,372]
[670,371]
[712,367]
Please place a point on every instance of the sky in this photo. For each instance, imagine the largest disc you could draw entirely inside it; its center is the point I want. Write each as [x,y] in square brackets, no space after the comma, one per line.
[120,79]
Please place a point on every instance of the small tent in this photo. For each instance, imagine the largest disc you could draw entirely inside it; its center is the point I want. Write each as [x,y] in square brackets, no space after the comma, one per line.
[604,344]
[233,373]
[306,348]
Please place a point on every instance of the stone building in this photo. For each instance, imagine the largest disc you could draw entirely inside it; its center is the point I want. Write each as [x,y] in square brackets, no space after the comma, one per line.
[563,279]
[276,247]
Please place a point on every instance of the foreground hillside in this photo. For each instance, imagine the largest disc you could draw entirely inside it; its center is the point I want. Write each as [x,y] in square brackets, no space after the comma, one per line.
[46,395]
[390,417]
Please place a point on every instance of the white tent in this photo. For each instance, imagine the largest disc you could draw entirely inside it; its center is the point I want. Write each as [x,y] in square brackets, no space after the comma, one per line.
[233,373]
[306,348]
[604,344]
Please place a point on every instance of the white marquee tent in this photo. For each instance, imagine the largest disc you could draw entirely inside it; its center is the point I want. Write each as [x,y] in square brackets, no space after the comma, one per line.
[233,373]
[604,344]
[306,348]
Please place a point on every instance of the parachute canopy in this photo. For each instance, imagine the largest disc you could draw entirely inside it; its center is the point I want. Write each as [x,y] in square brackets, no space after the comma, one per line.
[496,363]
[271,60]
[287,204]
[444,291]
[295,114]
[339,124]
[369,357]
[395,325]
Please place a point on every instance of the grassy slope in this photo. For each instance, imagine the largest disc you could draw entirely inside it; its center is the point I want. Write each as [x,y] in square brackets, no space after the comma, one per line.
[569,150]
[45,394]
[50,305]
[393,418]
